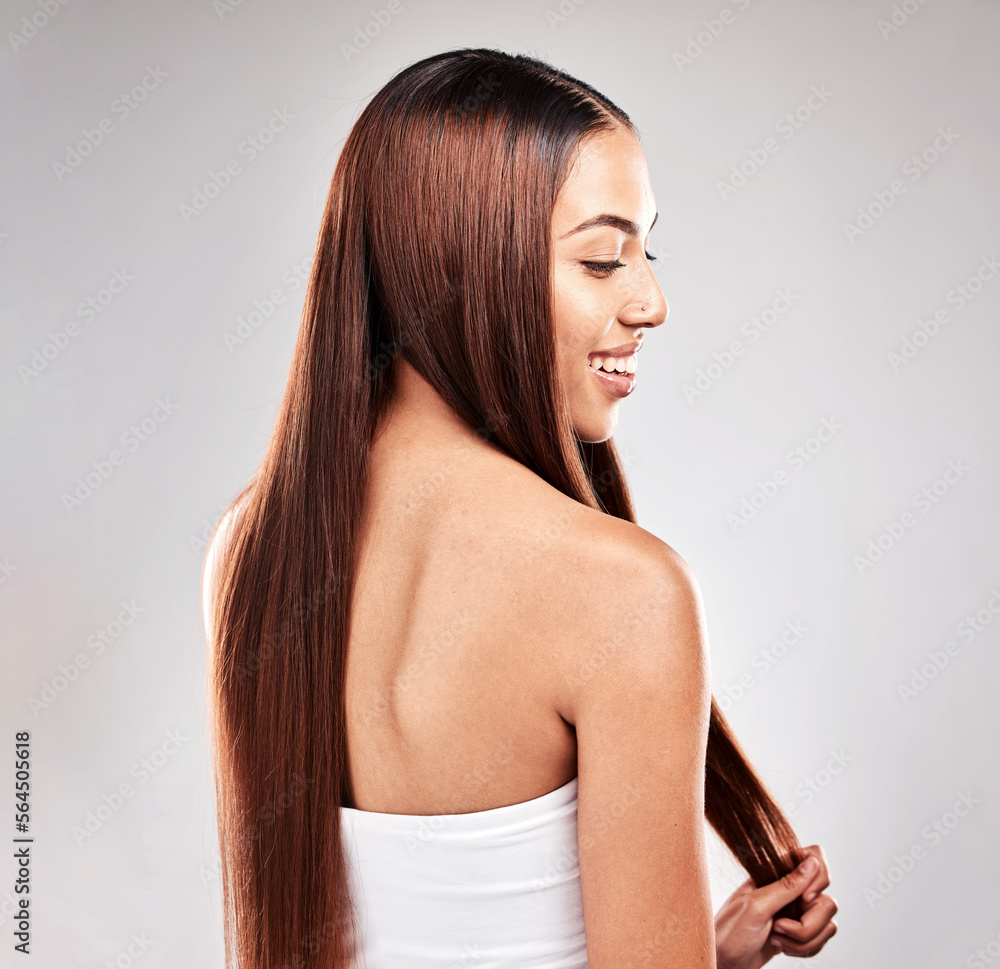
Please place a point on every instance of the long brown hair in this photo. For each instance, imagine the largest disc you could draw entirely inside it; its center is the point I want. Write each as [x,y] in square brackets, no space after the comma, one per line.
[434,246]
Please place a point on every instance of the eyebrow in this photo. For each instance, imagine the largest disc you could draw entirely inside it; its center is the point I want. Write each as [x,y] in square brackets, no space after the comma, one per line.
[615,221]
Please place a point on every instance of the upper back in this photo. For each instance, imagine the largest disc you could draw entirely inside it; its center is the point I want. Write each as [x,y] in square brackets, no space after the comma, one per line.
[450,679]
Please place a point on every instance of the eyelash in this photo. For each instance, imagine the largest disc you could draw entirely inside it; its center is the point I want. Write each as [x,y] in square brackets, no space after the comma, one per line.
[607,268]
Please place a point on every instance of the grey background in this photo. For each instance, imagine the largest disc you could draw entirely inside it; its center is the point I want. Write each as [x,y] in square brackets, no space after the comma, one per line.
[830,703]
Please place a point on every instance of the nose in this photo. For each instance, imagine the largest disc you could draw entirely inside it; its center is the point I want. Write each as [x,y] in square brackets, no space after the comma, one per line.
[648,307]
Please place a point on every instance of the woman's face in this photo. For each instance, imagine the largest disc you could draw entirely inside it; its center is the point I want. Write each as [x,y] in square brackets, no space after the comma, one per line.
[603,215]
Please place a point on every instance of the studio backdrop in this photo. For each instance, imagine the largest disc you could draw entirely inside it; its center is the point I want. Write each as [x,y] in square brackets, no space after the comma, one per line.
[814,429]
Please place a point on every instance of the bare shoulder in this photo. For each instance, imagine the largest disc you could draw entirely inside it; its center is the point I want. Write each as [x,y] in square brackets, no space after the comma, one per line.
[604,593]
[621,624]
[551,521]
[596,600]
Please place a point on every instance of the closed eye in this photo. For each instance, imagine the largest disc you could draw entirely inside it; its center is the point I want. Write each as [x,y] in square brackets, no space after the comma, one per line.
[604,268]
[607,268]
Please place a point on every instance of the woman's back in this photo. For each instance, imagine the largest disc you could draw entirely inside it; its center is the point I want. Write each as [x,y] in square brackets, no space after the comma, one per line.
[450,682]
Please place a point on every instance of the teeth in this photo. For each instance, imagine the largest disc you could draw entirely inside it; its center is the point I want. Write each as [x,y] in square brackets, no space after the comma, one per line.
[614,364]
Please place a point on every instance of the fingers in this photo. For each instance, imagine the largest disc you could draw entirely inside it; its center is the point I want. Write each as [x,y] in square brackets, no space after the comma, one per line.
[803,949]
[812,932]
[773,897]
[821,880]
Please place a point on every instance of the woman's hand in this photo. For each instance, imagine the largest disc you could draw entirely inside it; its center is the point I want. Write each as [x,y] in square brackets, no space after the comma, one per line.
[745,937]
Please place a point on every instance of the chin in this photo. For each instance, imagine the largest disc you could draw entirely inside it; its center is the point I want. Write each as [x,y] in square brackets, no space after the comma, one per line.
[597,428]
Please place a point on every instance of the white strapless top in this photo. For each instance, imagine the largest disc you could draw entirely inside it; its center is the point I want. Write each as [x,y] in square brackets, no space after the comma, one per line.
[493,889]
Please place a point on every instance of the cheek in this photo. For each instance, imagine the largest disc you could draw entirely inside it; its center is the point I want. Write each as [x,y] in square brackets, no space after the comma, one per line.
[581,317]
[571,363]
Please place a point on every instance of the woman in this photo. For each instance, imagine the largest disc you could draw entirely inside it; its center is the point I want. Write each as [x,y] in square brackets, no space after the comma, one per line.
[461,702]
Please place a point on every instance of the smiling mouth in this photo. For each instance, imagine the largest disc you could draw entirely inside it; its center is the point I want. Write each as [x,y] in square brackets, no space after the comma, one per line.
[615,374]
[614,367]
[613,364]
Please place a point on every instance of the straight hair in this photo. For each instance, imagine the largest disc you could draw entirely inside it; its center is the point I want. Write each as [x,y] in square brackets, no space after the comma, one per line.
[434,247]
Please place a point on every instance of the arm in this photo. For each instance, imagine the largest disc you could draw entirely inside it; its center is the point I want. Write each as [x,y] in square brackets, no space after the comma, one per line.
[637,690]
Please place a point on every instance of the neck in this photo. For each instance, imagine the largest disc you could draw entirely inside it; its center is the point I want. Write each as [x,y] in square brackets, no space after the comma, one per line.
[416,413]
